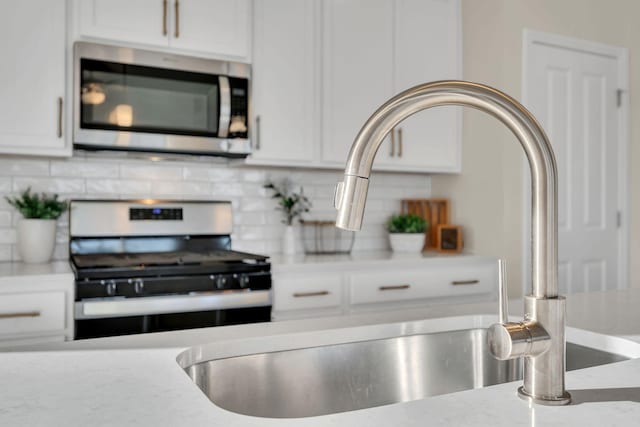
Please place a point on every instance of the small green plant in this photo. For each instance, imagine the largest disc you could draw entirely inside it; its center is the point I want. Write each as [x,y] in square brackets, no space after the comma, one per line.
[38,206]
[406,223]
[291,204]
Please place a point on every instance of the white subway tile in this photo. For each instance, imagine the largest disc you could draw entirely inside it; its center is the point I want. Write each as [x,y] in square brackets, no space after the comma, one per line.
[7,235]
[5,185]
[5,219]
[84,169]
[118,186]
[49,185]
[24,167]
[212,174]
[150,172]
[6,253]
[180,188]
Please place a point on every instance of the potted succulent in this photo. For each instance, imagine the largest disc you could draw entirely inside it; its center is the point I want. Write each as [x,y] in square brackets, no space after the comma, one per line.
[37,228]
[293,205]
[406,232]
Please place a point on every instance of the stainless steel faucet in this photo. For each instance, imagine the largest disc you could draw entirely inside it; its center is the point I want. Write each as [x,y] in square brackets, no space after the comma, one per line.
[540,337]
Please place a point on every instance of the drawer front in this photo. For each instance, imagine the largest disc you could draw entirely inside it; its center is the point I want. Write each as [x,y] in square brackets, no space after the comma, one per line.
[427,282]
[32,312]
[303,292]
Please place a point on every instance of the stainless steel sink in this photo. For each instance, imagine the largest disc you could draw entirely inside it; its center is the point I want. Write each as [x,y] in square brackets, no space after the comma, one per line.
[338,378]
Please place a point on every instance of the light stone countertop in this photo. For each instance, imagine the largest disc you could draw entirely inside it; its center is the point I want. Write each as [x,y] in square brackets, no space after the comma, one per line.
[95,386]
[21,269]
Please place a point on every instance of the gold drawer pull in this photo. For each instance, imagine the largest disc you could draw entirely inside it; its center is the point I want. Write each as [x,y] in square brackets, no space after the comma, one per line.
[394,288]
[310,294]
[19,314]
[465,282]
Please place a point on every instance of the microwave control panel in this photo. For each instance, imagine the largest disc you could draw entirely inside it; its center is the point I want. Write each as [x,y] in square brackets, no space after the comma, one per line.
[239,125]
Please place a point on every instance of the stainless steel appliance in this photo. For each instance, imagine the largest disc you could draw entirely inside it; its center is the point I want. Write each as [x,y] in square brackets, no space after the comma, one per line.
[138,100]
[147,266]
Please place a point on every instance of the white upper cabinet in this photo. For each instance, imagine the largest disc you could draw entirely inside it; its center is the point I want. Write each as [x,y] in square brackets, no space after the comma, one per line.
[375,49]
[427,48]
[211,27]
[357,70]
[215,26]
[32,119]
[134,21]
[284,82]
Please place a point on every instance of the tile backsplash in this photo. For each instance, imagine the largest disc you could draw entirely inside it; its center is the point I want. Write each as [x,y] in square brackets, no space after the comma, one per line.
[257,223]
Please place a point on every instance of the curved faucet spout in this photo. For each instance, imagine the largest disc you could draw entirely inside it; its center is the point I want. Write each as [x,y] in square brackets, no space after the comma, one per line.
[540,337]
[351,194]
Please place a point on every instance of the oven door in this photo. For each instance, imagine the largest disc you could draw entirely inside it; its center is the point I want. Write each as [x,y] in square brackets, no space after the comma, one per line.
[102,317]
[129,99]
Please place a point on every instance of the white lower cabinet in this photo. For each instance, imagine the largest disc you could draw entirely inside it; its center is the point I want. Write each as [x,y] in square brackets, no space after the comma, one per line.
[384,285]
[302,295]
[36,309]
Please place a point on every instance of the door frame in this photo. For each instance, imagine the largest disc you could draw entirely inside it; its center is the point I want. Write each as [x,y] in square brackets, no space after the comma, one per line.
[621,55]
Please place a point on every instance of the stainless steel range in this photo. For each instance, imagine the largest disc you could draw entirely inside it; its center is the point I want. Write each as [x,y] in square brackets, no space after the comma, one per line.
[148,266]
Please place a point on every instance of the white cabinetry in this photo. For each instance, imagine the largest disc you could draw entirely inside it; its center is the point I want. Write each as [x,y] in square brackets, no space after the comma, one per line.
[36,308]
[210,27]
[32,119]
[327,288]
[375,49]
[284,82]
[357,70]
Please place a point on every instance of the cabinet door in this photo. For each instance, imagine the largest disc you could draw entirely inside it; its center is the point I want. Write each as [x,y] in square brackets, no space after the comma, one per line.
[358,70]
[32,76]
[427,48]
[134,21]
[284,81]
[219,27]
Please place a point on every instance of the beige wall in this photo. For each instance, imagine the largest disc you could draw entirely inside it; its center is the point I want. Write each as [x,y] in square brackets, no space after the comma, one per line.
[487,196]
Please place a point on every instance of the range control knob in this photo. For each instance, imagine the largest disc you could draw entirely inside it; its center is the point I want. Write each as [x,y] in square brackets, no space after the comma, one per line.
[110,287]
[243,280]
[221,282]
[138,286]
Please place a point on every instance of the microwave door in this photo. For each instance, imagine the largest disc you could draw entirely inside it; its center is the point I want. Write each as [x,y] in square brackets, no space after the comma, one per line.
[225,107]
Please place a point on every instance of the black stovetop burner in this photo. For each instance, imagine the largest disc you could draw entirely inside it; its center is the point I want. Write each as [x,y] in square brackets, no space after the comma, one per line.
[99,258]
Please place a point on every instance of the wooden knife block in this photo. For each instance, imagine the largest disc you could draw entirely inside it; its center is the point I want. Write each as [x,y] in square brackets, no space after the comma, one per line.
[434,211]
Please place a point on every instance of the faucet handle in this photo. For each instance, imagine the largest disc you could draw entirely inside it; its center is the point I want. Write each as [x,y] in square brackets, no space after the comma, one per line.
[509,340]
[503,303]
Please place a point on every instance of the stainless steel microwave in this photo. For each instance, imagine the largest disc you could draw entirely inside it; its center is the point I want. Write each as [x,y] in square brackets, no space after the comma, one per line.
[139,100]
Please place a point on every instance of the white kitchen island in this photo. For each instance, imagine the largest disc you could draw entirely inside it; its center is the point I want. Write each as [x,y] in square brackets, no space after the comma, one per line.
[111,382]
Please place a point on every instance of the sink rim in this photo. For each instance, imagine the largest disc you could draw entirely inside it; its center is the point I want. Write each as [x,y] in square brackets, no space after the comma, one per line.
[300,340]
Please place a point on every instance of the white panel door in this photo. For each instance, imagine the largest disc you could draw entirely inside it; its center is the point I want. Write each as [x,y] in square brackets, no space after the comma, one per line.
[427,37]
[574,95]
[32,77]
[219,27]
[133,21]
[284,77]
[358,71]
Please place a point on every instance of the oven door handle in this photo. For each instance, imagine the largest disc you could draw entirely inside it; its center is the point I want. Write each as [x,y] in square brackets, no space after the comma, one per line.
[141,306]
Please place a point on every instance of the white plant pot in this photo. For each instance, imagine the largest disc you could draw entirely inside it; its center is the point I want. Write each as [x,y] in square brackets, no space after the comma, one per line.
[36,239]
[407,242]
[290,244]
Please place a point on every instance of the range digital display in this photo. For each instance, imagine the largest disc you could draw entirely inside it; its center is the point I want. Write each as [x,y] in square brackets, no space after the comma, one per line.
[163,214]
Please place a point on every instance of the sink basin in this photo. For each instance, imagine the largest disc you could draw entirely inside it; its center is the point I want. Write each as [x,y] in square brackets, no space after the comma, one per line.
[344,377]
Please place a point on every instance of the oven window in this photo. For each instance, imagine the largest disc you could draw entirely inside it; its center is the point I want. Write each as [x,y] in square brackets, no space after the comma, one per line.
[146,99]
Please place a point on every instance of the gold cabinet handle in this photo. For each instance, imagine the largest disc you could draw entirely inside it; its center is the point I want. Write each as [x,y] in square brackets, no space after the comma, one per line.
[177,32]
[310,294]
[465,282]
[19,314]
[59,117]
[393,287]
[400,142]
[164,17]
[393,143]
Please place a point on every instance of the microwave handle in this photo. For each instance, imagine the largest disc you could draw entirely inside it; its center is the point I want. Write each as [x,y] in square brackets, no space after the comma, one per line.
[225,107]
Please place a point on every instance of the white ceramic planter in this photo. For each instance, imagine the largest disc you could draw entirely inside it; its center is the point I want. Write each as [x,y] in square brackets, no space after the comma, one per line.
[406,242]
[290,244]
[36,239]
